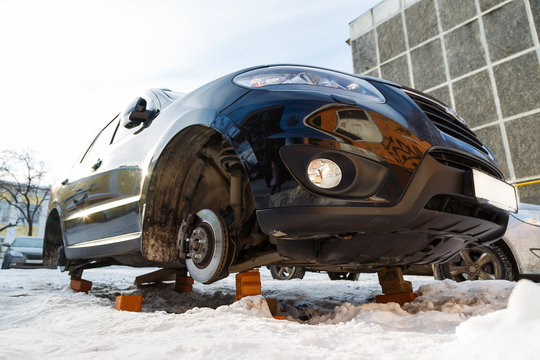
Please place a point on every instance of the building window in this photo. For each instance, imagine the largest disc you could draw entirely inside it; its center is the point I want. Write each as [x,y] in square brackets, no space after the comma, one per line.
[22,219]
[4,212]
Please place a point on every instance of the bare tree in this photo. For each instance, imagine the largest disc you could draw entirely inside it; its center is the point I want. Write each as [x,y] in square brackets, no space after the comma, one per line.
[21,177]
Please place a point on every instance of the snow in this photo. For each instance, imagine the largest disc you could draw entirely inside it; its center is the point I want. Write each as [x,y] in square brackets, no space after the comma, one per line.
[511,331]
[41,317]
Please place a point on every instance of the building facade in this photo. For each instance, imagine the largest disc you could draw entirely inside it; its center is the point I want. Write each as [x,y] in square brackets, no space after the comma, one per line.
[481,57]
[11,215]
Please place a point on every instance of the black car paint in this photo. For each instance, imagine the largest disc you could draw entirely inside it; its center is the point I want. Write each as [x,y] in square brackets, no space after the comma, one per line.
[258,124]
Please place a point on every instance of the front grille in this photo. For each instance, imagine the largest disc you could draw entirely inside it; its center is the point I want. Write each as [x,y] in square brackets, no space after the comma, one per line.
[33,257]
[463,162]
[445,121]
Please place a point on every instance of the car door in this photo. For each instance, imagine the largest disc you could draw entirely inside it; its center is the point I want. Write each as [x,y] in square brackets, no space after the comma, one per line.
[112,189]
[75,189]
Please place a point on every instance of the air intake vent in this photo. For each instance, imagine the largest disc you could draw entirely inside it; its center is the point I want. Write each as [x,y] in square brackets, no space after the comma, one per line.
[445,121]
[460,161]
[465,207]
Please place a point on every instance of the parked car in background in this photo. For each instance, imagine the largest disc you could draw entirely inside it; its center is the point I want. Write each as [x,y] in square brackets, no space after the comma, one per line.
[298,272]
[287,272]
[278,165]
[515,256]
[24,251]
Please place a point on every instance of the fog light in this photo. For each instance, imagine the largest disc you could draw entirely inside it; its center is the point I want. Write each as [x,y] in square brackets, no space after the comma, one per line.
[324,173]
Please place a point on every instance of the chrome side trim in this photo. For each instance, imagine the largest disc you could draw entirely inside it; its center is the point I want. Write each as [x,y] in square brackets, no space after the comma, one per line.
[107,241]
[104,207]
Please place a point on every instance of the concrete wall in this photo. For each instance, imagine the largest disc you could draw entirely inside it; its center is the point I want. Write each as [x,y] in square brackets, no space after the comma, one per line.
[481,57]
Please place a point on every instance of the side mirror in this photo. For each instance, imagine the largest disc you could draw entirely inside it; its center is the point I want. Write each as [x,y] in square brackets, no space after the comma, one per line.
[137,113]
[6,245]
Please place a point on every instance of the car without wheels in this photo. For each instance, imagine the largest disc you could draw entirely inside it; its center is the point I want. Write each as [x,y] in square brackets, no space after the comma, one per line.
[278,165]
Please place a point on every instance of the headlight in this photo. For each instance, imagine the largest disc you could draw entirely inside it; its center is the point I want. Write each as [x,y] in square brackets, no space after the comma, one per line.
[16,253]
[283,77]
[324,173]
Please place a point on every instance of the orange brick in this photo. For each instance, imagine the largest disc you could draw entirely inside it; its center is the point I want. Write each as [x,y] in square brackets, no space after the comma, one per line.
[184,280]
[183,288]
[392,282]
[183,284]
[273,306]
[80,285]
[400,298]
[248,284]
[279,317]
[129,303]
[248,290]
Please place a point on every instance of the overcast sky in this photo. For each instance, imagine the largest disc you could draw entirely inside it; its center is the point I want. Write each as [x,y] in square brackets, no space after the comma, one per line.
[67,67]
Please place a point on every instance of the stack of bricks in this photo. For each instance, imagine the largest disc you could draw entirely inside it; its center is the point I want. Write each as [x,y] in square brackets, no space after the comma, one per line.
[248,284]
[394,287]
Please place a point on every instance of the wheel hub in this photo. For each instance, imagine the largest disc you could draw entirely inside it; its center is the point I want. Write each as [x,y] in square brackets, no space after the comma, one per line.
[475,263]
[200,245]
[209,255]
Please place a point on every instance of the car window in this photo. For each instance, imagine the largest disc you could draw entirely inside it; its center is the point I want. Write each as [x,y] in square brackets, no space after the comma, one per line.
[101,141]
[28,242]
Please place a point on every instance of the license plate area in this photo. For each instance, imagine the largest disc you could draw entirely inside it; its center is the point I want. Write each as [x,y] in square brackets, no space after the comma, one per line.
[34,261]
[490,190]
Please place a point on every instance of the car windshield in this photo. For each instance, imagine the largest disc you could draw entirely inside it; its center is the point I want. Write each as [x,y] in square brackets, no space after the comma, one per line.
[173,95]
[28,242]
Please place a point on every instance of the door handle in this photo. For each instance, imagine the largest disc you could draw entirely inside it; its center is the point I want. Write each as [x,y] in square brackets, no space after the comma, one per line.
[97,165]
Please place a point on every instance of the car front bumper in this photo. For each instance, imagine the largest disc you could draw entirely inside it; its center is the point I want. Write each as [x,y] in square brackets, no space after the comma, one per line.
[22,262]
[434,219]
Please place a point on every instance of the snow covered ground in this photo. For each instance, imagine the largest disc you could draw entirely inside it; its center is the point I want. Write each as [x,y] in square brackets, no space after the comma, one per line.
[41,318]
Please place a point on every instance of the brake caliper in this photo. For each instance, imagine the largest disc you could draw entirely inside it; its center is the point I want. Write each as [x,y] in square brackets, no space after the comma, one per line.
[183,234]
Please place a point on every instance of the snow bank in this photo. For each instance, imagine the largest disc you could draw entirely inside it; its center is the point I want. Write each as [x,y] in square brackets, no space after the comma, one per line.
[510,333]
[439,307]
[468,298]
[41,317]
[250,305]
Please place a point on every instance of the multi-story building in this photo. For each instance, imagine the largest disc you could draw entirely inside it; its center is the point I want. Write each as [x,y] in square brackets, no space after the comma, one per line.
[481,57]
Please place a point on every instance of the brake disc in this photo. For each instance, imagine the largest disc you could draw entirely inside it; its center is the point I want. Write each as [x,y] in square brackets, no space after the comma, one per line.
[208,248]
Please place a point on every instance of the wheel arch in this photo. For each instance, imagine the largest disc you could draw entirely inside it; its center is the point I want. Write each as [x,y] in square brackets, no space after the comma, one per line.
[508,251]
[169,176]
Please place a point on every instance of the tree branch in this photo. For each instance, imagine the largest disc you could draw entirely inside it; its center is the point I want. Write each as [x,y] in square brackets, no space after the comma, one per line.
[20,177]
[9,225]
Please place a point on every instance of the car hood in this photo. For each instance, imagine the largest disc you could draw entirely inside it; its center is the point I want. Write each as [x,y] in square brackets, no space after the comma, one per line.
[28,250]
